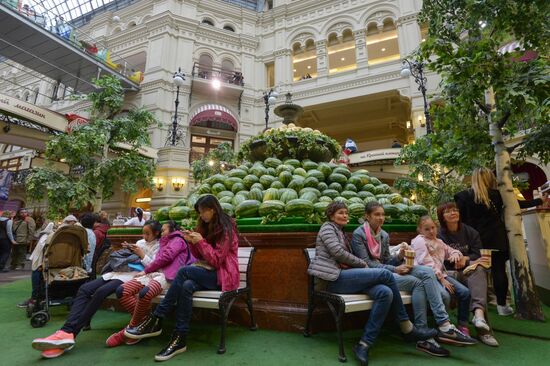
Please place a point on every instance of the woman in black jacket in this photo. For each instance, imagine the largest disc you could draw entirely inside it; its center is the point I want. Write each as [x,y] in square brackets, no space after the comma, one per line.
[481,207]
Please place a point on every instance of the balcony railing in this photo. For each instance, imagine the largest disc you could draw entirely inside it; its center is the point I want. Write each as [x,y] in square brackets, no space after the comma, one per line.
[209,72]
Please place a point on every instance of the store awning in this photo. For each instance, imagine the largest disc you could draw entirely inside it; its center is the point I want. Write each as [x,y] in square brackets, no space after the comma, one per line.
[214,116]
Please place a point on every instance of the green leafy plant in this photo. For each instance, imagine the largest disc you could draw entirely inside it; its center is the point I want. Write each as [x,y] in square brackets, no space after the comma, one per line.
[216,161]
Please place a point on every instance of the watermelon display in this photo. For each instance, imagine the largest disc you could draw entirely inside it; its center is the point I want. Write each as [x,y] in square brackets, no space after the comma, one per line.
[285,177]
[272,162]
[299,207]
[162,214]
[338,178]
[249,180]
[418,210]
[288,195]
[271,194]
[247,208]
[271,207]
[239,173]
[320,207]
[237,187]
[228,208]
[356,210]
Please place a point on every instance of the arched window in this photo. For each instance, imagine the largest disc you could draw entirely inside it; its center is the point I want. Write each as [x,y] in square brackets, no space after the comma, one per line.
[228,71]
[382,45]
[26,96]
[208,21]
[341,51]
[304,60]
[228,28]
[205,66]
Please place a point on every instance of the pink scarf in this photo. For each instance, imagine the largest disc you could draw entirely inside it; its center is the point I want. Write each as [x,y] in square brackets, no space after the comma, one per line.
[373,245]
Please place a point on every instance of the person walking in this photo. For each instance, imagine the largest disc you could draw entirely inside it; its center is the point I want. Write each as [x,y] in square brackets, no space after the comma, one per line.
[23,230]
[6,239]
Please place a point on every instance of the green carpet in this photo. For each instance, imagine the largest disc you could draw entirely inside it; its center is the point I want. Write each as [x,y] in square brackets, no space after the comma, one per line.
[244,347]
[521,327]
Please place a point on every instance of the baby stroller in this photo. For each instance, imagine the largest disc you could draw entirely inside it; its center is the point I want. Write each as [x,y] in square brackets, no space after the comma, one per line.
[62,271]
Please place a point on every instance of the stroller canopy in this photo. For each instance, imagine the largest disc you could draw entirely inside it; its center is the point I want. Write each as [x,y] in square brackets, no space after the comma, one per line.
[66,247]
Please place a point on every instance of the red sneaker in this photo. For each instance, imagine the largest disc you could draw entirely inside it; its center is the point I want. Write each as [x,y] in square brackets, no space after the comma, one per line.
[55,352]
[464,330]
[116,339]
[59,339]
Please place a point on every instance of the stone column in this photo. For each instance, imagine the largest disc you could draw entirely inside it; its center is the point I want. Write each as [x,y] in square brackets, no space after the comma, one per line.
[361,53]
[322,58]
[172,162]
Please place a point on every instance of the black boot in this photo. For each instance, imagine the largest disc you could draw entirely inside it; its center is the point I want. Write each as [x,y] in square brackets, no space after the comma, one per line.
[150,327]
[176,345]
[417,334]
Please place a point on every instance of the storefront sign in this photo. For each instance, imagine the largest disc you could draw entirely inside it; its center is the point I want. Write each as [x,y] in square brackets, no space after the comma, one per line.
[27,111]
[374,155]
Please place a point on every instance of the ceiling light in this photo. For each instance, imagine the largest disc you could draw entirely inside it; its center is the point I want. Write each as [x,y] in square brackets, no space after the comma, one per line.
[216,84]
[309,67]
[383,50]
[343,59]
[143,199]
[293,70]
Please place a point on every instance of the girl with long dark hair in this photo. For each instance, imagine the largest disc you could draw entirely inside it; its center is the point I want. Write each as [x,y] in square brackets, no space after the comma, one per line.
[215,244]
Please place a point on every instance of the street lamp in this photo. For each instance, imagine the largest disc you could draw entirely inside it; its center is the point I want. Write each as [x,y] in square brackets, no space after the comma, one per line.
[179,78]
[416,69]
[270,98]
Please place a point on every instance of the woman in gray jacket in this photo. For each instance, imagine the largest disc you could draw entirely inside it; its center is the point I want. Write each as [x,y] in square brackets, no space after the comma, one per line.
[341,272]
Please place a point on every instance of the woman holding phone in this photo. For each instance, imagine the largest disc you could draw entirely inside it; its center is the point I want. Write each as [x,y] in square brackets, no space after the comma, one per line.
[215,244]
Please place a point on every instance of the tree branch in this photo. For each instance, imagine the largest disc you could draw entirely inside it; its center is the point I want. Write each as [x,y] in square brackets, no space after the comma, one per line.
[512,148]
[482,107]
[504,119]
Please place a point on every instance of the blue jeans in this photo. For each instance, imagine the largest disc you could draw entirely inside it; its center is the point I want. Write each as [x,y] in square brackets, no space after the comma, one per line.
[380,286]
[37,284]
[424,288]
[180,294]
[462,296]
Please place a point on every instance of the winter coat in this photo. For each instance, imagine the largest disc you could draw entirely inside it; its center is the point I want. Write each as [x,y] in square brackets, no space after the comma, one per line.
[360,249]
[6,229]
[173,254]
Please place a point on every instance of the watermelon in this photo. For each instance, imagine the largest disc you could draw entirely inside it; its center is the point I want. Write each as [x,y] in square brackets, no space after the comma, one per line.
[408,201]
[217,188]
[180,202]
[335,186]
[375,181]
[338,178]
[288,195]
[272,162]
[249,180]
[364,194]
[310,196]
[418,210]
[310,189]
[332,193]
[257,186]
[277,184]
[284,168]
[271,171]
[258,170]
[350,187]
[382,195]
[228,208]
[356,200]
[296,184]
[384,201]
[379,190]
[365,179]
[243,167]
[192,199]
[285,177]
[300,172]
[237,187]
[162,214]
[225,194]
[368,188]
[311,182]
[247,208]
[391,210]
[325,169]
[356,210]
[321,207]
[395,198]
[342,170]
[270,194]
[204,188]
[225,199]
[370,199]
[266,180]
[271,207]
[348,194]
[356,181]
[295,163]
[237,173]
[309,165]
[340,199]
[217,178]
[230,181]
[403,208]
[299,207]
[322,186]
[317,174]
[238,199]
[360,172]
[256,194]
[386,188]
[325,199]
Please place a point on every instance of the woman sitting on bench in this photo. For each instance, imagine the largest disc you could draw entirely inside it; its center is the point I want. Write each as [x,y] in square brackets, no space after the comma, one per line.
[215,244]
[343,273]
[136,295]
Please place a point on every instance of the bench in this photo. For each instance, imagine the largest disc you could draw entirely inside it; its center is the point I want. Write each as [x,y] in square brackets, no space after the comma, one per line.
[338,304]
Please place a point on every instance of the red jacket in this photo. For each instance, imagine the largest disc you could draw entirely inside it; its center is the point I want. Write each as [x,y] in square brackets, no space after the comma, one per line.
[100,231]
[223,257]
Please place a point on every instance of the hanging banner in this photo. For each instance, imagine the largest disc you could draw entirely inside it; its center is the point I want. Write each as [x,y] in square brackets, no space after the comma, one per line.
[6,178]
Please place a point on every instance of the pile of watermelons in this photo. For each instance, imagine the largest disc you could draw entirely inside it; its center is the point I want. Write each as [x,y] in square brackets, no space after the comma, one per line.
[273,189]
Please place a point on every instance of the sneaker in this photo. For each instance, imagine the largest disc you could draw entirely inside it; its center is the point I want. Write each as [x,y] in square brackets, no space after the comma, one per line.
[505,310]
[59,339]
[176,345]
[417,334]
[116,339]
[480,324]
[454,336]
[361,353]
[150,327]
[55,352]
[433,348]
[488,339]
[23,304]
[130,341]
[464,330]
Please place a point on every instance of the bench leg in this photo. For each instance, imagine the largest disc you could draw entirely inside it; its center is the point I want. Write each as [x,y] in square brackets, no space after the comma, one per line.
[225,306]
[310,308]
[253,325]
[337,311]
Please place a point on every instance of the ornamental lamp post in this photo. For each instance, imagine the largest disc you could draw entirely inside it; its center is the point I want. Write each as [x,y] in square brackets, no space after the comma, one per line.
[270,98]
[416,69]
[179,78]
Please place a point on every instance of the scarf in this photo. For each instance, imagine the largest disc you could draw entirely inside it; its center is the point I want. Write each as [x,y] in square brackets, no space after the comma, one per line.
[372,245]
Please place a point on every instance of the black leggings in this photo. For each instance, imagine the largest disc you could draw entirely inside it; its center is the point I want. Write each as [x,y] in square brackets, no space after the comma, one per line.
[87,301]
[500,279]
[5,249]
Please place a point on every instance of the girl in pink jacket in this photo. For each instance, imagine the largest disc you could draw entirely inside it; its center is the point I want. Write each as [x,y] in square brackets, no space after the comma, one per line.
[431,251]
[136,295]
